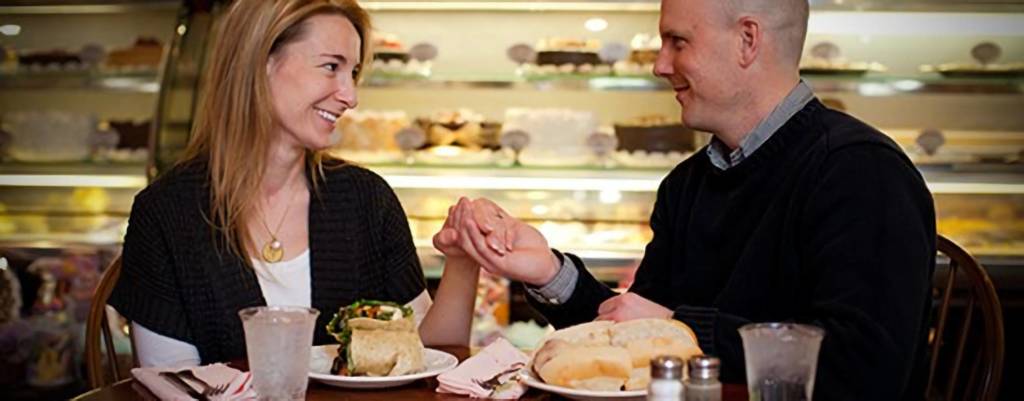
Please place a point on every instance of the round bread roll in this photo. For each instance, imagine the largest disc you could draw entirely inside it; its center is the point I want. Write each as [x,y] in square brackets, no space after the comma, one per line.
[607,356]
[599,368]
[590,333]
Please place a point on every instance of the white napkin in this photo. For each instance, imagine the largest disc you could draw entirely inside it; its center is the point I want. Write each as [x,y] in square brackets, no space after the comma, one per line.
[492,373]
[239,383]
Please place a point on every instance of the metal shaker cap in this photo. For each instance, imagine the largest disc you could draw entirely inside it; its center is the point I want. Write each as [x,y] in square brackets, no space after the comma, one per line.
[704,367]
[666,367]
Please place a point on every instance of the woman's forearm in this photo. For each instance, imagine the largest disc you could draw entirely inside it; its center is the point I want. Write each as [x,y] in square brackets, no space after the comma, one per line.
[449,319]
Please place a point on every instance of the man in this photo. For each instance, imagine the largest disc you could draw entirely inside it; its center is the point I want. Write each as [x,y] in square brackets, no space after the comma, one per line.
[793,212]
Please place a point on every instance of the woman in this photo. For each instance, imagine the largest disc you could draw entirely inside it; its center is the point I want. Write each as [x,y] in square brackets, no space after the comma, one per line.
[256,213]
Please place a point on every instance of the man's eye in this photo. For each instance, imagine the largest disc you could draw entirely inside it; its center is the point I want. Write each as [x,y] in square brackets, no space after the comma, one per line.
[331,67]
[678,41]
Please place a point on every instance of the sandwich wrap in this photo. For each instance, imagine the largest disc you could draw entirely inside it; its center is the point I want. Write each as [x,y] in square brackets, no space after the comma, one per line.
[376,339]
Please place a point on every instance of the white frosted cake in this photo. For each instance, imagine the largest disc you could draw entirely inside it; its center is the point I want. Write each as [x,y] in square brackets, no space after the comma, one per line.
[49,136]
[557,136]
[368,136]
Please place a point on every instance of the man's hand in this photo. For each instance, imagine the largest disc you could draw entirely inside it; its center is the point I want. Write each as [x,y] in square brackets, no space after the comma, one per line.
[503,245]
[630,306]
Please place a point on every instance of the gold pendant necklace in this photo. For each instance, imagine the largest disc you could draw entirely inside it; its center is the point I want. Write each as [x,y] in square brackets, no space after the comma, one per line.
[273,250]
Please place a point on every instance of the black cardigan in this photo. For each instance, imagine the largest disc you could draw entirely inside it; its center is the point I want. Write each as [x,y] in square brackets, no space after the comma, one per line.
[827,223]
[177,283]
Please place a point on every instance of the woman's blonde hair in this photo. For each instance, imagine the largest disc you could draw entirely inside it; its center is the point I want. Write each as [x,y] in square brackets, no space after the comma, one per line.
[232,131]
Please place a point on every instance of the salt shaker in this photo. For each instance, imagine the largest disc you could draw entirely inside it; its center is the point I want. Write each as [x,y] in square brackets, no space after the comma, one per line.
[703,384]
[666,379]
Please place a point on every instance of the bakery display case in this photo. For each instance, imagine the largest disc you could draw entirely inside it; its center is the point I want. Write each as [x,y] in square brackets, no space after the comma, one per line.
[548,108]
[78,87]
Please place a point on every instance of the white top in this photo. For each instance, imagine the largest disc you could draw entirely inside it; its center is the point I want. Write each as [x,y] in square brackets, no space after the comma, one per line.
[285,283]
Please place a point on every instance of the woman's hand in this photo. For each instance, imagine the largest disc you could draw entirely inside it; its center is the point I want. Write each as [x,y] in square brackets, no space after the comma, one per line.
[447,239]
[503,245]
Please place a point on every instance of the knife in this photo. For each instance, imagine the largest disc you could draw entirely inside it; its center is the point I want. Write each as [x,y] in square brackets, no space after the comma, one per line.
[181,385]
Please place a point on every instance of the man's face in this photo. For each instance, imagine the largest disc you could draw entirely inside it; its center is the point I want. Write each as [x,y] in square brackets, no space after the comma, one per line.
[699,58]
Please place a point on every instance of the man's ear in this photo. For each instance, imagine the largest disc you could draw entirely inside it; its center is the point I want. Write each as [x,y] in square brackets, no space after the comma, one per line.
[751,37]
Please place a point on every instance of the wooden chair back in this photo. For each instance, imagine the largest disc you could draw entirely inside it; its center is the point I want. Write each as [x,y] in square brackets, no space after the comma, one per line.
[966,343]
[101,360]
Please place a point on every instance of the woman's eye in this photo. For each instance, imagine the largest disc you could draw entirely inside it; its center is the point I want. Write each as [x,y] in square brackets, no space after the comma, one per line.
[330,67]
[355,72]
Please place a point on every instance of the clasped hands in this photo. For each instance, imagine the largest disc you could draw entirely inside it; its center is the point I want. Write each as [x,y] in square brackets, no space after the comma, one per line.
[480,232]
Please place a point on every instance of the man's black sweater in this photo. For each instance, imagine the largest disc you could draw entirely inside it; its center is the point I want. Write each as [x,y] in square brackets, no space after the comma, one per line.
[826,223]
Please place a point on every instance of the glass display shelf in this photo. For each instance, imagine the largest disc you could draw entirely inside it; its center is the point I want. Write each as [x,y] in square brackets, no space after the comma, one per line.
[141,81]
[941,179]
[652,6]
[73,174]
[85,6]
[872,84]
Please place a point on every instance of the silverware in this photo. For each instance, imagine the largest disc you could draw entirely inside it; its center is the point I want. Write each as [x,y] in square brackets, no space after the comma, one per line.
[208,390]
[181,385]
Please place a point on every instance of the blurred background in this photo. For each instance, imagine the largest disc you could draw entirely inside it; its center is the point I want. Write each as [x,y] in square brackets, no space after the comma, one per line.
[97,98]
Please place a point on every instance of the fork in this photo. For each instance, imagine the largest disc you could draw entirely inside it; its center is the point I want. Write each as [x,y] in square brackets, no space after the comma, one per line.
[208,390]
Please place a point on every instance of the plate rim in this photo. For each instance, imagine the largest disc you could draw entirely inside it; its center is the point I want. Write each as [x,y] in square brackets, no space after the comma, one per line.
[388,379]
[540,385]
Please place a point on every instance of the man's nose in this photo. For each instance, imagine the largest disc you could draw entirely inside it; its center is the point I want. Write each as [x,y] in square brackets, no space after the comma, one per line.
[663,64]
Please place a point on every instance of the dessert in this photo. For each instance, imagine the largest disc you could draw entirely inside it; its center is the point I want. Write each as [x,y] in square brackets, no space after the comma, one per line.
[562,51]
[557,136]
[462,127]
[644,48]
[370,130]
[48,136]
[387,47]
[57,58]
[146,52]
[654,133]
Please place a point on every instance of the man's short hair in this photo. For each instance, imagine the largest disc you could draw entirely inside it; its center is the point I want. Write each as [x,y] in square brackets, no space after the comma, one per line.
[786,19]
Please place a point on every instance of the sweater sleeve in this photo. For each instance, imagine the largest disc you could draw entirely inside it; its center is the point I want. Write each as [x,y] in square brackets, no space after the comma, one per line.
[869,252]
[581,307]
[148,291]
[654,269]
[405,280]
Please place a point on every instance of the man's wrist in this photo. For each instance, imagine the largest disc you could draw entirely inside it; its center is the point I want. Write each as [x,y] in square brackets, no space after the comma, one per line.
[559,289]
[557,261]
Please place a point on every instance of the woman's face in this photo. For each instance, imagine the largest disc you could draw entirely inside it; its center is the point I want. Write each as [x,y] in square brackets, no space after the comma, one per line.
[312,81]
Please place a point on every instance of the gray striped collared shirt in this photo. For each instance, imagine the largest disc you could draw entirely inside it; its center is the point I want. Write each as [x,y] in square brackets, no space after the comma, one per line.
[794,102]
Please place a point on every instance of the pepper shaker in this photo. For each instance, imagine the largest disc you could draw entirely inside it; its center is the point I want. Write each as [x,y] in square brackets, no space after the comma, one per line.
[703,384]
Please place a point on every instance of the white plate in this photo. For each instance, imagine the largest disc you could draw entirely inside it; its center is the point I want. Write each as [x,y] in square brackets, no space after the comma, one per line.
[582,395]
[322,356]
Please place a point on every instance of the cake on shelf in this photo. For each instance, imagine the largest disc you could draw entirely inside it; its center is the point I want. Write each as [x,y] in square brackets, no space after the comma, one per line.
[642,55]
[654,133]
[49,136]
[387,47]
[391,58]
[566,56]
[58,59]
[368,136]
[562,51]
[557,136]
[462,127]
[146,52]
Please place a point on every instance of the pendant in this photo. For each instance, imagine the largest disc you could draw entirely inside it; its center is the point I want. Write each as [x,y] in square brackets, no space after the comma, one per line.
[273,252]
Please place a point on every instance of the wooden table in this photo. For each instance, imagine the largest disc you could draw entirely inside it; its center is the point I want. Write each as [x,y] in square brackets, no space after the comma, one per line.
[129,390]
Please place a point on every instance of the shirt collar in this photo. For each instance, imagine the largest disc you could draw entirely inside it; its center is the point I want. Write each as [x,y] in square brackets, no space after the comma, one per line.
[724,159]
